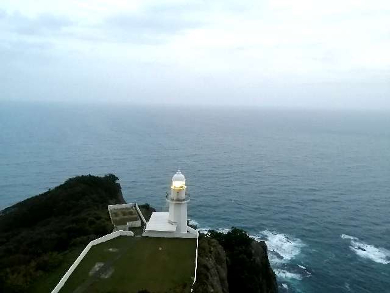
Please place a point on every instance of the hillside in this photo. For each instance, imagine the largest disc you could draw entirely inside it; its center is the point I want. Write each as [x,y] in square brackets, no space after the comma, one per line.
[42,236]
[37,234]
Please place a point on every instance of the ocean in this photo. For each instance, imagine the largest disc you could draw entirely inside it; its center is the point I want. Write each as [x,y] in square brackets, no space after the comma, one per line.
[315,185]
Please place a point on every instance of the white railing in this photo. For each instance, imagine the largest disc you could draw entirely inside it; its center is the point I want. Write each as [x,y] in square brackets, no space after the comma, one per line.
[140,213]
[102,239]
[196,253]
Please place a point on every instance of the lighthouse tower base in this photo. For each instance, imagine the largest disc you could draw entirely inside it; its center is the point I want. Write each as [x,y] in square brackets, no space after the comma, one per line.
[159,225]
[174,223]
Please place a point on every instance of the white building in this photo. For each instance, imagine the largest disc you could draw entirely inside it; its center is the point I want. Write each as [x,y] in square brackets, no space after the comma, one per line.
[172,224]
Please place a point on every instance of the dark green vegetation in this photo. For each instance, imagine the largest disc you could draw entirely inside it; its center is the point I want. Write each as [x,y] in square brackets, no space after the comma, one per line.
[233,262]
[41,236]
[132,264]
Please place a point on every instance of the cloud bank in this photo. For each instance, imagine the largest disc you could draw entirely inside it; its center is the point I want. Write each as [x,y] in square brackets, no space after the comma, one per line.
[331,54]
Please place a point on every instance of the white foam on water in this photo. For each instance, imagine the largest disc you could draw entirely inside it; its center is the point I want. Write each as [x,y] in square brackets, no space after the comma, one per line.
[346,285]
[364,250]
[344,236]
[282,247]
[224,231]
[283,274]
[193,222]
[206,230]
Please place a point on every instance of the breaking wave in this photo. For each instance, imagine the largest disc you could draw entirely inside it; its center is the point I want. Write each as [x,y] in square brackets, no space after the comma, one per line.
[364,250]
[283,274]
[207,229]
[282,247]
[192,222]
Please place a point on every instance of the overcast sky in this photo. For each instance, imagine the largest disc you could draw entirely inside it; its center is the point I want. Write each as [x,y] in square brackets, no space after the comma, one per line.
[301,53]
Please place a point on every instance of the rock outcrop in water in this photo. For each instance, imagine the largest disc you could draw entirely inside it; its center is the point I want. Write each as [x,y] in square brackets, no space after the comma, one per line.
[212,268]
[233,263]
[267,278]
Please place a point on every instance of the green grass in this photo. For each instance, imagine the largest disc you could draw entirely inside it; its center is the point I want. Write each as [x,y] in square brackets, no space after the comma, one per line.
[138,264]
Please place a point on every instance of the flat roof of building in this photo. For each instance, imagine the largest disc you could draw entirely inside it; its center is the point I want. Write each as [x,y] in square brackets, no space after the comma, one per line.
[130,264]
[120,216]
[159,222]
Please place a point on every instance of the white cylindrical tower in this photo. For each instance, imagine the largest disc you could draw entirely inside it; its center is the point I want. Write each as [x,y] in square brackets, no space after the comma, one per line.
[178,202]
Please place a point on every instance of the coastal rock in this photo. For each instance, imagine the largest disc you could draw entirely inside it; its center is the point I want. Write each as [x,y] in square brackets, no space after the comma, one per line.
[267,276]
[212,269]
[233,263]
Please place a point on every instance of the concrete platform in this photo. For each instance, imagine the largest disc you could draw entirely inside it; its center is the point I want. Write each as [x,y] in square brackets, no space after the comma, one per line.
[159,222]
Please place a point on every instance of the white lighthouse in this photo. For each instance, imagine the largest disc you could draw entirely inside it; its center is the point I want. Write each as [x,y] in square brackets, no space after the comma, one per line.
[172,223]
[178,202]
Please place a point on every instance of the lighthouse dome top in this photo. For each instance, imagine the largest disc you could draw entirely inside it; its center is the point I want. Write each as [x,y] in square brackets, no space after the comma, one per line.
[178,180]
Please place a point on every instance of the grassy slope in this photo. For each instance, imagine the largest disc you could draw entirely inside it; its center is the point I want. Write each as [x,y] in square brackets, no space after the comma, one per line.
[139,264]
[47,281]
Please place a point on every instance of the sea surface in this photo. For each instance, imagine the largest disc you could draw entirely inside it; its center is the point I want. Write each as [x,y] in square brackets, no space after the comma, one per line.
[315,185]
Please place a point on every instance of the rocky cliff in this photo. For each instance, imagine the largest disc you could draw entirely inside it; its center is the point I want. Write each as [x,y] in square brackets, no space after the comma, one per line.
[233,263]
[212,268]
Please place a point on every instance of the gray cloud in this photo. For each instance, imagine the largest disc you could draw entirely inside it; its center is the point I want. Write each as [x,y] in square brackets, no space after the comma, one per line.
[155,21]
[44,24]
[148,23]
[201,52]
[3,14]
[21,50]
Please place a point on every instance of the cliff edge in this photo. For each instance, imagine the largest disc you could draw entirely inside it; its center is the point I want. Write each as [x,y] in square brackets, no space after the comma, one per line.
[233,263]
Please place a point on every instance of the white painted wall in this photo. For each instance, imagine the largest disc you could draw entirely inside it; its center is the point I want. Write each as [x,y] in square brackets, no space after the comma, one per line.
[178,215]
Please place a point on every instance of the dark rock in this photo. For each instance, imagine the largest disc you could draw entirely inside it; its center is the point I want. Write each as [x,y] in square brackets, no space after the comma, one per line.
[234,263]
[212,269]
[267,275]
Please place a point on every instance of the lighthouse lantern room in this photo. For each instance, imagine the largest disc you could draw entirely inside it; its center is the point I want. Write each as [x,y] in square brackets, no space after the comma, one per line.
[178,202]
